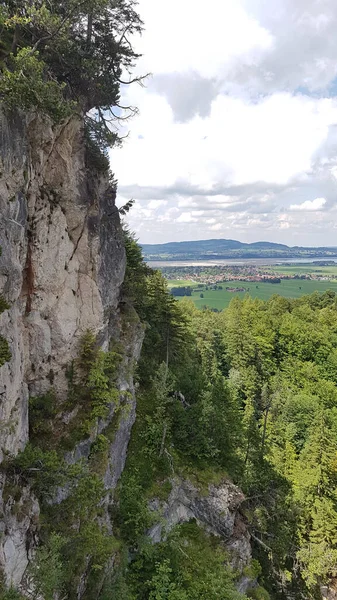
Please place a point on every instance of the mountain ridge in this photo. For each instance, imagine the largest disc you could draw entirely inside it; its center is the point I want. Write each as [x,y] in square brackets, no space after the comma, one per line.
[228,248]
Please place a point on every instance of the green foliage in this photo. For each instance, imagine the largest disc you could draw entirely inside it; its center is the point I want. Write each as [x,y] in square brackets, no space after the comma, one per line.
[5,354]
[24,84]
[189,565]
[123,210]
[47,570]
[100,381]
[134,285]
[166,324]
[3,304]
[116,586]
[96,158]
[258,593]
[88,352]
[148,460]
[254,570]
[61,57]
[10,594]
[44,469]
[90,547]
[73,537]
[282,372]
[42,411]
[249,392]
[167,333]
[100,445]
[133,516]
[161,585]
[92,387]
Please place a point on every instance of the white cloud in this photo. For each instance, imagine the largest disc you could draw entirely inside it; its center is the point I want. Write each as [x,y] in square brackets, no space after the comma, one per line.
[187,217]
[154,204]
[185,35]
[240,142]
[253,144]
[309,205]
[216,227]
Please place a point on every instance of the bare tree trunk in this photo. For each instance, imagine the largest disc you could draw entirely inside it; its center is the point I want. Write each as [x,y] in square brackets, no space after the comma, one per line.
[162,446]
[247,450]
[89,28]
[167,348]
[15,40]
[264,429]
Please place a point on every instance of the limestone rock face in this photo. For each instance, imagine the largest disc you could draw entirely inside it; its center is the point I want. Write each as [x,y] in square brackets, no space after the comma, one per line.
[217,511]
[131,338]
[62,262]
[18,527]
[61,270]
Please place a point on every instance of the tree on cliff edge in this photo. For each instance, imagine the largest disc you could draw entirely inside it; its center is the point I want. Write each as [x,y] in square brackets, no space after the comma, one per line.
[69,56]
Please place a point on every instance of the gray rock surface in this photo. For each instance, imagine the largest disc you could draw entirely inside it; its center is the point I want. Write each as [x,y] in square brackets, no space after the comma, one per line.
[62,263]
[329,592]
[217,511]
[61,270]
[18,527]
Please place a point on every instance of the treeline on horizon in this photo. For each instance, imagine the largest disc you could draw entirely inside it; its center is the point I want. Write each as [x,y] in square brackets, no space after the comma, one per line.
[226,249]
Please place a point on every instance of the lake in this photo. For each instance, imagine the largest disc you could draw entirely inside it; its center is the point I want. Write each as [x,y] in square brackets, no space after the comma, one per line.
[158,264]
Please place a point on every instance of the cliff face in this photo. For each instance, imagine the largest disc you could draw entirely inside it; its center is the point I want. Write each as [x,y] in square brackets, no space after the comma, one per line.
[61,270]
[62,263]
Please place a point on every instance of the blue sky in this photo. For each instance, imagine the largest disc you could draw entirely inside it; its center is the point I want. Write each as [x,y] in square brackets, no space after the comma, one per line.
[236,134]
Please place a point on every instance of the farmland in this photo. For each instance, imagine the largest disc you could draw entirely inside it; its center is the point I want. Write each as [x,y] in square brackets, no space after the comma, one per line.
[289,288]
[181,283]
[310,268]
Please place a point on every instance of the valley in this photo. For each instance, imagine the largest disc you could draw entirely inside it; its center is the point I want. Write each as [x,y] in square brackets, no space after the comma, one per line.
[214,287]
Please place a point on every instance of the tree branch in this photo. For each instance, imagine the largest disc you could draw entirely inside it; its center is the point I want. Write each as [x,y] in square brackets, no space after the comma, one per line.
[264,546]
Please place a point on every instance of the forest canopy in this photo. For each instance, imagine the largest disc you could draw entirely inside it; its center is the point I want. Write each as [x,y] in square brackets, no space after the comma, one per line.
[247,394]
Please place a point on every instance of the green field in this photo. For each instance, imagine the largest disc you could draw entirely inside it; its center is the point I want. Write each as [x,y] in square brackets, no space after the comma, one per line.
[288,288]
[304,269]
[180,283]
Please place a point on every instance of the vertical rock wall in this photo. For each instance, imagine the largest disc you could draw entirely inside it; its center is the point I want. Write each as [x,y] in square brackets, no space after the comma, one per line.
[61,270]
[62,263]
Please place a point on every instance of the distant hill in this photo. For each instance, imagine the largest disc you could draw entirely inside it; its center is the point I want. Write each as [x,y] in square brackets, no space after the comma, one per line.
[222,249]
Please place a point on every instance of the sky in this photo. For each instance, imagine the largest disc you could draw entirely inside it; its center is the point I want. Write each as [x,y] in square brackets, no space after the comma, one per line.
[236,135]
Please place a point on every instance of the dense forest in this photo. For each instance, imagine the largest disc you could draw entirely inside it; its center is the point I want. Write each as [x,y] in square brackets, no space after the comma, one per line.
[259,381]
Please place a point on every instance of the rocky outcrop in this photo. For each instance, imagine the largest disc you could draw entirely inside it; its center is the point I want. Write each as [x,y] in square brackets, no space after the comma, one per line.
[62,263]
[61,270]
[329,592]
[131,338]
[217,511]
[18,527]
